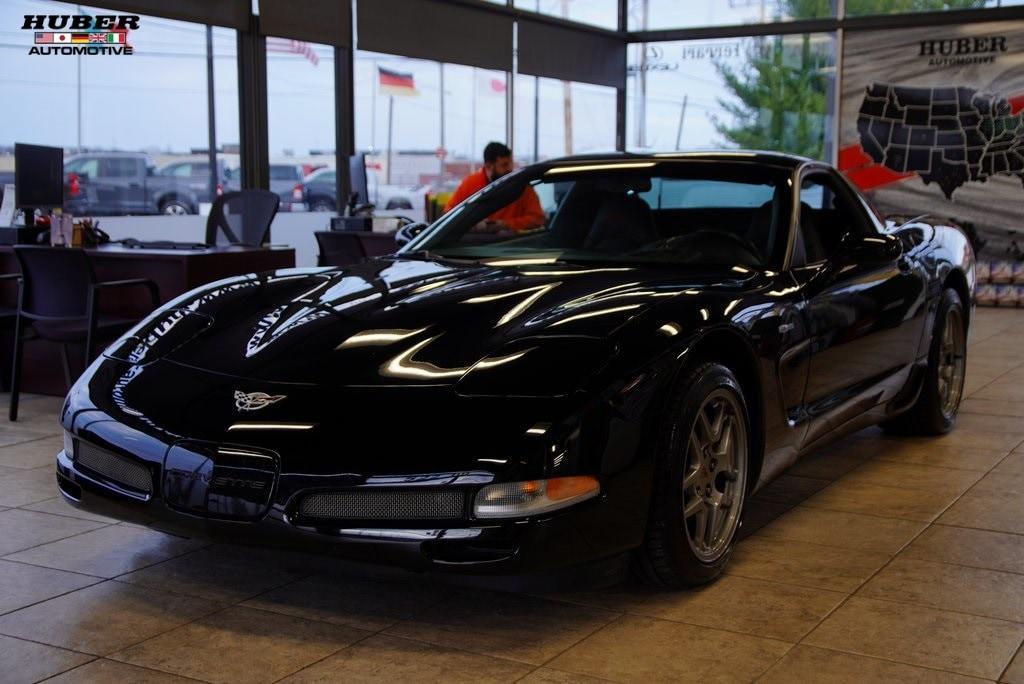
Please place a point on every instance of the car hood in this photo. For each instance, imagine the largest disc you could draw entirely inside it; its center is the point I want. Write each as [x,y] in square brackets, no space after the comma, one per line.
[407,321]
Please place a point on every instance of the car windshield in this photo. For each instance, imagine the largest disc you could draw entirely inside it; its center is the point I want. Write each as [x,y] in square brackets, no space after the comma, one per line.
[708,213]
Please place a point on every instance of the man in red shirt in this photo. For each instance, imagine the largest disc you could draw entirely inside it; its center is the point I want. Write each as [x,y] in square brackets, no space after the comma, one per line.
[524,213]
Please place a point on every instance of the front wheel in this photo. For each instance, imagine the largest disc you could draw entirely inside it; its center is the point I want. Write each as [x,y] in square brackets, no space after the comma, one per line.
[175,207]
[700,480]
[934,412]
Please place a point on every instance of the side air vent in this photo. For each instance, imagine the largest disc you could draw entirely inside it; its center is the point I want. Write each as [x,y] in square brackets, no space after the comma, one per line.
[384,504]
[114,467]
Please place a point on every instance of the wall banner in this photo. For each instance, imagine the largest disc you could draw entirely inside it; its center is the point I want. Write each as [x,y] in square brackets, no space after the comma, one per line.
[932,121]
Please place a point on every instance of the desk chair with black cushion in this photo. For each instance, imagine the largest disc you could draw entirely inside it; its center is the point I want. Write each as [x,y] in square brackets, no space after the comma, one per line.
[242,218]
[342,248]
[59,299]
[9,313]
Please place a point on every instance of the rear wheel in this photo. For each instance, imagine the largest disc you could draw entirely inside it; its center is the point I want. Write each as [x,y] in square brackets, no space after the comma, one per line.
[175,207]
[936,408]
[700,482]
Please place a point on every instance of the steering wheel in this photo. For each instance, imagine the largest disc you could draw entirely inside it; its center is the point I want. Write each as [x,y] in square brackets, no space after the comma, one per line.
[725,241]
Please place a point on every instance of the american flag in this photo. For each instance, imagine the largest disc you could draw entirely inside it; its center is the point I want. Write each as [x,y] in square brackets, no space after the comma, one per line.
[292,47]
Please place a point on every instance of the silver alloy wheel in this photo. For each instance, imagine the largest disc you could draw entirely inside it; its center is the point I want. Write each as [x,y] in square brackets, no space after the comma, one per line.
[715,475]
[952,358]
[174,209]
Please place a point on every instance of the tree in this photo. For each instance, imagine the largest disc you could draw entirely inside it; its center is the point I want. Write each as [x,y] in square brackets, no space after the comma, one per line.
[779,94]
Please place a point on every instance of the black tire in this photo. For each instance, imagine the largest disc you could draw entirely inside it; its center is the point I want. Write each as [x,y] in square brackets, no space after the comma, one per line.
[667,558]
[934,412]
[322,205]
[175,207]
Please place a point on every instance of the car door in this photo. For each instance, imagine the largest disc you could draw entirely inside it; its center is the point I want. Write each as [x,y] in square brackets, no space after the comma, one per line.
[121,185]
[864,317]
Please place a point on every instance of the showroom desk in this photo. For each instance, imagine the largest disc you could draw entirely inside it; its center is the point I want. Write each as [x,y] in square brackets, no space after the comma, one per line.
[175,271]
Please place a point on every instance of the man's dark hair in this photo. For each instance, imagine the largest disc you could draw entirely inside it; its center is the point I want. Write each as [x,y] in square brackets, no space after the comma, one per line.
[495,151]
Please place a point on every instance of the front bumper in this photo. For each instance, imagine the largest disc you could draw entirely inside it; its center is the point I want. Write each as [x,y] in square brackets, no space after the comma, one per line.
[567,539]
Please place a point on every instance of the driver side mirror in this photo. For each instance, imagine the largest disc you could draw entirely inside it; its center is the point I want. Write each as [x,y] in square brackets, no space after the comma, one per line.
[855,248]
[406,233]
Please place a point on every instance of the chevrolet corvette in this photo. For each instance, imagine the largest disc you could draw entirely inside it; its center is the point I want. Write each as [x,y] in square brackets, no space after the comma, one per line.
[604,389]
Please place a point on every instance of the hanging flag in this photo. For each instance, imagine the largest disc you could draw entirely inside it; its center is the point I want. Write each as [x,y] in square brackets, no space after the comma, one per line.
[293,47]
[392,82]
[488,83]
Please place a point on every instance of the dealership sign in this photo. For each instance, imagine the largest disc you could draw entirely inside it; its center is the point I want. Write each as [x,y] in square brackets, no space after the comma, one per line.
[80,34]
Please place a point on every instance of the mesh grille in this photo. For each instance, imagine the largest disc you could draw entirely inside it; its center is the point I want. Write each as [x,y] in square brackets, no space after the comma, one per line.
[117,468]
[383,505]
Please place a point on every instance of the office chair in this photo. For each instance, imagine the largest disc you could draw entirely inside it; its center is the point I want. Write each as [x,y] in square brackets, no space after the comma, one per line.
[342,248]
[242,218]
[59,299]
[9,312]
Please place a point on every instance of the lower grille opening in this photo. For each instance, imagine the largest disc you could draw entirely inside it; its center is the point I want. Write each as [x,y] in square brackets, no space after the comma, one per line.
[378,504]
[114,467]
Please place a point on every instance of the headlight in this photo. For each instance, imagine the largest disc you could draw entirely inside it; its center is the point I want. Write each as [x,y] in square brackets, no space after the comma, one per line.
[69,445]
[532,497]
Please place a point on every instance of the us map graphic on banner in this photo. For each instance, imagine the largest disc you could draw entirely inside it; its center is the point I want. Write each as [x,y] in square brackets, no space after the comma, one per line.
[932,121]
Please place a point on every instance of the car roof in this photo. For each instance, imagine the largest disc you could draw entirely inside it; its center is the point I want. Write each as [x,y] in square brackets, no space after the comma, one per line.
[791,161]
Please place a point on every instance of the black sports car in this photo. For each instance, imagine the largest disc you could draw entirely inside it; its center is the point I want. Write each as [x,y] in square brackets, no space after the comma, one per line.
[609,385]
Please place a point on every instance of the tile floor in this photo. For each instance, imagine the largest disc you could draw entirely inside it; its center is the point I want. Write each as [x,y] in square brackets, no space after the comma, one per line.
[877,559]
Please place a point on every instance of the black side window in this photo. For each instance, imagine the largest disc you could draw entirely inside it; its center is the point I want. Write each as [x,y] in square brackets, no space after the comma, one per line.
[826,214]
[118,167]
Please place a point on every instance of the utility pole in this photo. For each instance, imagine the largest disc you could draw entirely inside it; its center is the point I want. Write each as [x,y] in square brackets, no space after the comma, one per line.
[211,118]
[682,117]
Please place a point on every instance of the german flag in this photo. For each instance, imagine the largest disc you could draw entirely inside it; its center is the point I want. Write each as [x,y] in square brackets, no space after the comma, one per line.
[79,37]
[395,82]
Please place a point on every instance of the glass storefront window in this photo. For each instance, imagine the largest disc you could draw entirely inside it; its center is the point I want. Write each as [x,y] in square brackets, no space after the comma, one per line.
[416,140]
[856,8]
[643,15]
[603,13]
[555,118]
[773,93]
[134,126]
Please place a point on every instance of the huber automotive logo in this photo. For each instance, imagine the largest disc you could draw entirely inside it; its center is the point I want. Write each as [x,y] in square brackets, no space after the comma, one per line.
[80,34]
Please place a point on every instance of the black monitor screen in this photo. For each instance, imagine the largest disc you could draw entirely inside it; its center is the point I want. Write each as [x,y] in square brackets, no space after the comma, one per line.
[38,176]
[357,175]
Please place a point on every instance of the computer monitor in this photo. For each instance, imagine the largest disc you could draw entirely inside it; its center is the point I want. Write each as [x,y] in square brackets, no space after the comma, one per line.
[357,179]
[38,177]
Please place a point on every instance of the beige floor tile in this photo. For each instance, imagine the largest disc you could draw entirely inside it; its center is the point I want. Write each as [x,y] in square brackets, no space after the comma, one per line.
[1006,480]
[988,593]
[999,511]
[1013,463]
[58,506]
[635,649]
[547,675]
[221,573]
[103,671]
[392,659]
[810,664]
[884,501]
[1015,672]
[24,661]
[27,486]
[519,628]
[1000,390]
[5,470]
[992,407]
[34,454]
[844,530]
[21,529]
[766,609]
[966,644]
[808,565]
[995,441]
[791,489]
[24,433]
[241,644]
[963,458]
[966,546]
[351,601]
[104,617]
[975,422]
[22,585]
[949,481]
[109,551]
